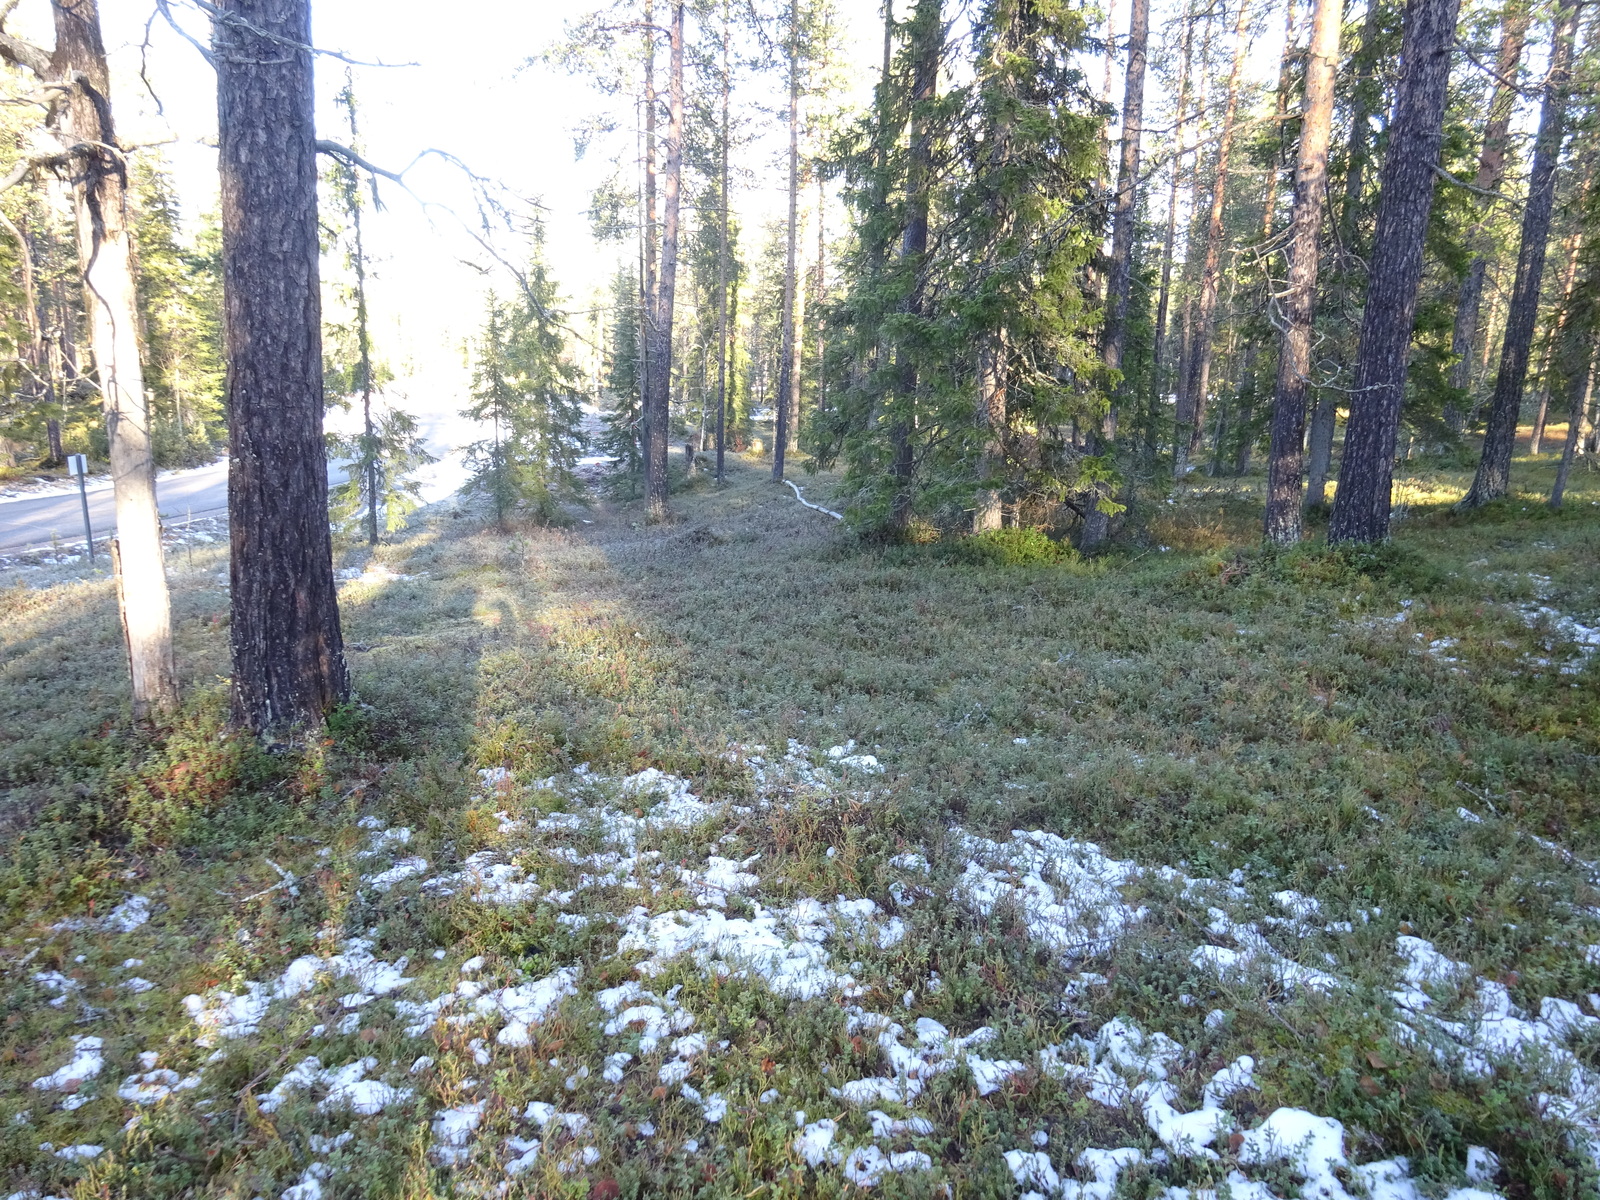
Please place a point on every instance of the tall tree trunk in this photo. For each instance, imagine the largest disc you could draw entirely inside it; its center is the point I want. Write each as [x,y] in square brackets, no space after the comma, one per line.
[288,654]
[1125,204]
[1493,478]
[1282,521]
[105,257]
[1199,381]
[1361,508]
[1164,296]
[724,344]
[1183,416]
[788,405]
[658,394]
[649,285]
[1491,169]
[1124,217]
[1325,414]
[927,32]
[993,364]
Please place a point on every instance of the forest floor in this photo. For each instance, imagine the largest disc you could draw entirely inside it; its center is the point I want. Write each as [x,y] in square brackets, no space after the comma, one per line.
[734,858]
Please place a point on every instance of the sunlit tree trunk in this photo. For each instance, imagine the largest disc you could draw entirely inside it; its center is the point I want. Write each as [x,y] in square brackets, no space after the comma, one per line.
[105,256]
[1294,356]
[288,653]
[1361,508]
[1493,478]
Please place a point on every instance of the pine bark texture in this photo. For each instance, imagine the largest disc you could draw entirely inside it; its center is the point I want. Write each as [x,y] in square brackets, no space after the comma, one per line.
[1493,478]
[288,654]
[105,257]
[1285,466]
[1405,198]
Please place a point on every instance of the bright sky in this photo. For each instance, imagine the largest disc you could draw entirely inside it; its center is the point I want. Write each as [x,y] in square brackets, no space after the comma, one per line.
[472,92]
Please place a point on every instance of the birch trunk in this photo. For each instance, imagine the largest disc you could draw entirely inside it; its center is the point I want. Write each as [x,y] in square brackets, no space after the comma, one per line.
[105,257]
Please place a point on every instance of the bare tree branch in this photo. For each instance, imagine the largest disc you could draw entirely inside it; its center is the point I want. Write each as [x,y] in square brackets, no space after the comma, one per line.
[205,51]
[23,53]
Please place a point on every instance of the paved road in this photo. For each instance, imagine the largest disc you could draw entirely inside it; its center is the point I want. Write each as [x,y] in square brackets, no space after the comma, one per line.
[32,520]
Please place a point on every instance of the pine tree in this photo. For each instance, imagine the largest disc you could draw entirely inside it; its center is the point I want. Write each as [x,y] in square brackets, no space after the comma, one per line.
[1361,508]
[528,392]
[621,442]
[288,651]
[378,493]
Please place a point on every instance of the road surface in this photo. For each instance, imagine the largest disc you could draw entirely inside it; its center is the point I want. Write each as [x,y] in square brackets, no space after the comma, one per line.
[33,520]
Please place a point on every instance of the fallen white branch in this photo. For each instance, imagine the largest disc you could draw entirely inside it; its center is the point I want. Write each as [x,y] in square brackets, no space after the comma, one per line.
[798,495]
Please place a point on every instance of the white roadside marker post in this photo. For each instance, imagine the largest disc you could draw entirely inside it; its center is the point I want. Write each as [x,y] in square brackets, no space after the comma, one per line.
[78,465]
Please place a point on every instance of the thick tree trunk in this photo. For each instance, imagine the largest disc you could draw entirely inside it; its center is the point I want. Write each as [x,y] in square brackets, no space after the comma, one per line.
[928,35]
[788,398]
[105,256]
[1491,169]
[288,654]
[1493,478]
[1284,468]
[659,367]
[1361,508]
[1199,382]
